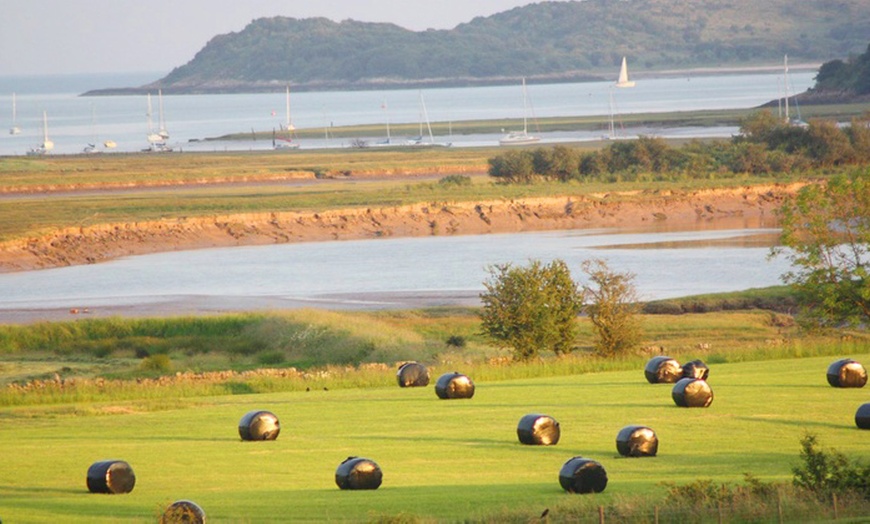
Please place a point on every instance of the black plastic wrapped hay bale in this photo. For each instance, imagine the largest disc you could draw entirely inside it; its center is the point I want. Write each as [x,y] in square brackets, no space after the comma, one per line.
[454,385]
[696,369]
[111,476]
[662,370]
[580,475]
[183,512]
[846,373]
[412,375]
[358,473]
[259,425]
[538,430]
[862,416]
[692,393]
[637,441]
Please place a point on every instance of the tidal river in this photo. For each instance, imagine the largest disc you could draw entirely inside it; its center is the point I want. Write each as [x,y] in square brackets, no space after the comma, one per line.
[381,274]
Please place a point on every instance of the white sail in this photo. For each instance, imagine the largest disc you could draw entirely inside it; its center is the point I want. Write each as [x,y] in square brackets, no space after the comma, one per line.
[14,130]
[288,125]
[623,80]
[164,134]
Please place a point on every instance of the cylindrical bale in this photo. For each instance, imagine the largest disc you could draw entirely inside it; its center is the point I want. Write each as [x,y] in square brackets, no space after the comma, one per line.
[862,416]
[412,375]
[358,473]
[580,475]
[259,425]
[692,393]
[183,512]
[538,430]
[662,370]
[637,441]
[846,373]
[454,385]
[696,369]
[111,476]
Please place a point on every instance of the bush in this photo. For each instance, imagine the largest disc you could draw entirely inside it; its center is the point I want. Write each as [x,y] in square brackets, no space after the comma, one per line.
[829,473]
[455,180]
[161,363]
[456,341]
[531,308]
[610,300]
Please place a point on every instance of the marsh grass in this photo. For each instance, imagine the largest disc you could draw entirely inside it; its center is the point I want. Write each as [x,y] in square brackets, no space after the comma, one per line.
[52,363]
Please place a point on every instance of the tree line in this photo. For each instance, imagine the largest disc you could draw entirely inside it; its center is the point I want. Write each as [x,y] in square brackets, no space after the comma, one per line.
[766,146]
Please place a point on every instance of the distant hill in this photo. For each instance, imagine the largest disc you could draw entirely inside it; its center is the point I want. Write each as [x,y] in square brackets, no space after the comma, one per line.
[550,41]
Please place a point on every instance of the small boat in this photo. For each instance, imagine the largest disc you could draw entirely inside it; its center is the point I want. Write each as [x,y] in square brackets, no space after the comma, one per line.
[621,82]
[517,138]
[156,140]
[47,145]
[285,142]
[14,130]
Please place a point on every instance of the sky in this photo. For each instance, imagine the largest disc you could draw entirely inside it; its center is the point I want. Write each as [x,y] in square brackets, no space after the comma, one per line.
[44,37]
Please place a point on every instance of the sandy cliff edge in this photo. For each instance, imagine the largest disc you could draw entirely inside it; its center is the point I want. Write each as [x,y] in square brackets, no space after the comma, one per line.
[748,206]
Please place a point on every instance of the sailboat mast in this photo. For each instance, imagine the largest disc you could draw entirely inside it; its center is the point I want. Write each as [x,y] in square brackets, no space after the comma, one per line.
[525,108]
[289,123]
[148,115]
[785,65]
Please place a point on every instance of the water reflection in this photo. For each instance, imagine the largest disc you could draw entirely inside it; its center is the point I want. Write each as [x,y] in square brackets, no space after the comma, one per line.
[386,273]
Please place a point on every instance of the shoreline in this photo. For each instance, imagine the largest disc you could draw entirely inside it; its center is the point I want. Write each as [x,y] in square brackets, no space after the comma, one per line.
[745,206]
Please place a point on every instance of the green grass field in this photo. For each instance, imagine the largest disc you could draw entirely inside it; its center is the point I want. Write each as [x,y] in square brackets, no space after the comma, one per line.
[442,460]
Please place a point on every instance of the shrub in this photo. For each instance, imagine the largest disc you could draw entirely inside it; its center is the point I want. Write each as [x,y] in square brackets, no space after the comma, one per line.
[610,300]
[828,473]
[455,180]
[161,363]
[531,308]
[456,341]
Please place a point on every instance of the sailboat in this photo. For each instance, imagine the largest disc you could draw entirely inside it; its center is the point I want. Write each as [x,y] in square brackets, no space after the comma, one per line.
[420,140]
[47,145]
[515,138]
[788,120]
[156,141]
[164,134]
[285,142]
[621,82]
[14,130]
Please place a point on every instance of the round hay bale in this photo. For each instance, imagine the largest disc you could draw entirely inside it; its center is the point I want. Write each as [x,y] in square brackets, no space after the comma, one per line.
[637,441]
[696,369]
[358,473]
[183,512]
[580,475]
[862,416]
[412,375]
[111,476]
[538,430]
[662,370]
[846,373]
[454,385]
[259,425]
[692,393]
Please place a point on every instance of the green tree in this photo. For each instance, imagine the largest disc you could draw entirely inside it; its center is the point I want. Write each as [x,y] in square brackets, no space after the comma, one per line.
[531,309]
[610,300]
[826,229]
[514,166]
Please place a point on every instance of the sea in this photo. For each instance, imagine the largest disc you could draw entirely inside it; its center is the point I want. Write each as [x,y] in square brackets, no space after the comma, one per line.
[75,121]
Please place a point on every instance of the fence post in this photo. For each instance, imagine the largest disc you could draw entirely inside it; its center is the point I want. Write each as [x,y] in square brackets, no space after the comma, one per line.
[835,506]
[720,512]
[600,514]
[779,505]
[656,515]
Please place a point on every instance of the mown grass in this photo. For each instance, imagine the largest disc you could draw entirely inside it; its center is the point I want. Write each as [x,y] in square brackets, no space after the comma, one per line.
[442,460]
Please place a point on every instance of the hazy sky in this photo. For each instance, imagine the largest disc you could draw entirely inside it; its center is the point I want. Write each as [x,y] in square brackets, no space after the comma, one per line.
[95,36]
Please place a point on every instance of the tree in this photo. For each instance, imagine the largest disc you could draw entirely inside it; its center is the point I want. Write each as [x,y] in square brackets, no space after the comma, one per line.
[531,308]
[826,229]
[610,300]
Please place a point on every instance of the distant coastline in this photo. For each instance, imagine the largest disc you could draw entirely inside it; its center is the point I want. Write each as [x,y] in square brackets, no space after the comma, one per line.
[275,86]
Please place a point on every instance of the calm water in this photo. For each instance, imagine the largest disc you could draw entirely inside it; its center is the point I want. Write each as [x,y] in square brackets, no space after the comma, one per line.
[75,121]
[392,272]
